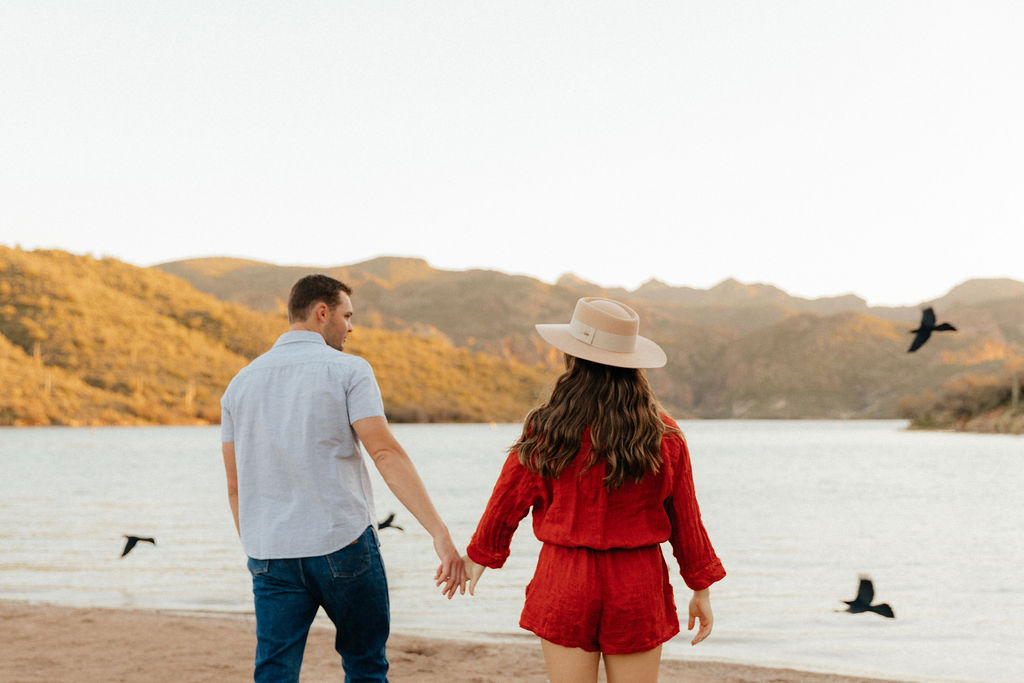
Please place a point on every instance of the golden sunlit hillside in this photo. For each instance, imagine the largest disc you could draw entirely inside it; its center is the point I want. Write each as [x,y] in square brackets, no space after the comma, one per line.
[98,341]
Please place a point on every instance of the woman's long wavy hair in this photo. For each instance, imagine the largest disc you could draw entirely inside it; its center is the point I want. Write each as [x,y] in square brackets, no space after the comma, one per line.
[619,407]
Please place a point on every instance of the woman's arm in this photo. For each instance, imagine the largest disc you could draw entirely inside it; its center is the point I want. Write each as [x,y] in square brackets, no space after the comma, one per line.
[514,494]
[691,546]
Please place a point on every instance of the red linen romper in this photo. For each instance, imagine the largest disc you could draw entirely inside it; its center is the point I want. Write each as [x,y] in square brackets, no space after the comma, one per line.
[601,582]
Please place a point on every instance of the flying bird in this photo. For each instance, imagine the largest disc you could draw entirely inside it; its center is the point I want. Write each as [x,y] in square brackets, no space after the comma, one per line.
[925,329]
[862,603]
[388,523]
[132,540]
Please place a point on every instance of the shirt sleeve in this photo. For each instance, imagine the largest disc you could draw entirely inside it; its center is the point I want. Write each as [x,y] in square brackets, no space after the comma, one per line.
[362,395]
[691,546]
[514,494]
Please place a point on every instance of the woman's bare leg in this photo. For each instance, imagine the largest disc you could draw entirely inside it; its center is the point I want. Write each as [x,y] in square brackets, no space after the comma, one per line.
[570,664]
[638,667]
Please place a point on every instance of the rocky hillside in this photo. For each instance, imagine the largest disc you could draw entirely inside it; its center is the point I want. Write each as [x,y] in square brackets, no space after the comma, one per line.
[735,350]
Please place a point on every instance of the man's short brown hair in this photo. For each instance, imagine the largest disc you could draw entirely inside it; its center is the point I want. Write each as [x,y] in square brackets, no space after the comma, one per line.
[310,291]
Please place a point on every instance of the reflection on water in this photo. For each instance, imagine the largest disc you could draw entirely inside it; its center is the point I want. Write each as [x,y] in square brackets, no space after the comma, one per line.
[797,510]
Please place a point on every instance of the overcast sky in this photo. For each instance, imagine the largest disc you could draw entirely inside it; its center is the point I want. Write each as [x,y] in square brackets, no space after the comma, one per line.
[823,147]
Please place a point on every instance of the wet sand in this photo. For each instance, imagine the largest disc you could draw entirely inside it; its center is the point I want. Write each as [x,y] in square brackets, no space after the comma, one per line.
[48,643]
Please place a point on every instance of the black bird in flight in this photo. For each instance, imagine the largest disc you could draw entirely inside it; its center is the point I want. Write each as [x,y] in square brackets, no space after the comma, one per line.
[865,594]
[132,540]
[388,523]
[925,329]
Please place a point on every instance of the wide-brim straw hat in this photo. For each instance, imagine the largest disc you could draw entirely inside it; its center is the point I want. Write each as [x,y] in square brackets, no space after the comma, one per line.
[604,331]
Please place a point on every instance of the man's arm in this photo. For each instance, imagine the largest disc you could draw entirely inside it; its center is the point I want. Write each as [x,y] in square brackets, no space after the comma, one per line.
[399,473]
[228,449]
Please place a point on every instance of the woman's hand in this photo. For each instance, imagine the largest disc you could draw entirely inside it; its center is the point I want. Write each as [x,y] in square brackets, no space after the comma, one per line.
[474,571]
[700,609]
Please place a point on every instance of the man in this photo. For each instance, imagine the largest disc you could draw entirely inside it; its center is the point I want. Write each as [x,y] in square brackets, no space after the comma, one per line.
[300,493]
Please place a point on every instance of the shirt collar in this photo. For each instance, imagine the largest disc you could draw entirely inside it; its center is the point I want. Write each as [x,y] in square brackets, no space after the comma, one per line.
[300,336]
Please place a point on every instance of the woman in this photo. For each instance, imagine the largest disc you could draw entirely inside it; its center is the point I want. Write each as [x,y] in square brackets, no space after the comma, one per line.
[608,477]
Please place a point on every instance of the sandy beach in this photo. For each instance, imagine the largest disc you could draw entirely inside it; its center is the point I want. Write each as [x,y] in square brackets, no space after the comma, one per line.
[47,643]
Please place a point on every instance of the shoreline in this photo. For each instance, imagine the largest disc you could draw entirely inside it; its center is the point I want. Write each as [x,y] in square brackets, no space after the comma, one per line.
[44,642]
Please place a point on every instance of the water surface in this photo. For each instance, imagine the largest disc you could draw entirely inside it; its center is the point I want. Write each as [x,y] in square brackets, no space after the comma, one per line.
[796,509]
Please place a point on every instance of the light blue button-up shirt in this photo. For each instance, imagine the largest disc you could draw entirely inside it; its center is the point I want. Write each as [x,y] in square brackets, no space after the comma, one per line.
[303,486]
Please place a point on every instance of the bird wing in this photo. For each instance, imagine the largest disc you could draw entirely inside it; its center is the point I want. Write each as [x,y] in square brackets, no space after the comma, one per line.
[129,545]
[928,317]
[865,592]
[884,609]
[922,336]
[945,327]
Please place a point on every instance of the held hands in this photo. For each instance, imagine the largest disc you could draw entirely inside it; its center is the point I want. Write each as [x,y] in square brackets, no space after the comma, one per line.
[451,572]
[470,572]
[700,609]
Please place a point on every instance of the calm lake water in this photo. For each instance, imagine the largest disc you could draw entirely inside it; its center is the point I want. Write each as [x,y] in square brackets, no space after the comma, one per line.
[796,510]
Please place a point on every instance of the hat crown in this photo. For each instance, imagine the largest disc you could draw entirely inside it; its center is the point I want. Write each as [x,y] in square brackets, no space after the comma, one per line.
[607,316]
[606,324]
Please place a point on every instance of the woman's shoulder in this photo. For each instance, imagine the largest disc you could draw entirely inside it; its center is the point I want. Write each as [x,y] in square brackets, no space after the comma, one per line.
[674,433]
[673,442]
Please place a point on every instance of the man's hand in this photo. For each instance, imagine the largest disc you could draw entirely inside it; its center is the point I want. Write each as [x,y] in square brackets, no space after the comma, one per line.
[451,571]
[700,608]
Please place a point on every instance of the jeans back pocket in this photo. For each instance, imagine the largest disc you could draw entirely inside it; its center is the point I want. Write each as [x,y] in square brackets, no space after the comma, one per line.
[353,559]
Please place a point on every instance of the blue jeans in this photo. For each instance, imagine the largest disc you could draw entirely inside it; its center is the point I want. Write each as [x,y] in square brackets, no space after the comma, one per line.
[351,587]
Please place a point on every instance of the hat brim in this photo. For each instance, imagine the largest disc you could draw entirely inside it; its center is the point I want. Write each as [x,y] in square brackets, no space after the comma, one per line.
[647,353]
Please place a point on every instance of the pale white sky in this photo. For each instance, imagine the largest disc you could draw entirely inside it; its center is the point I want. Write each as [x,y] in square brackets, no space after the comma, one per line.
[825,147]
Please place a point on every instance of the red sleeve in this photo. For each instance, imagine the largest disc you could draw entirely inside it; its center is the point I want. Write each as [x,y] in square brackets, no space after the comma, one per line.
[514,493]
[698,562]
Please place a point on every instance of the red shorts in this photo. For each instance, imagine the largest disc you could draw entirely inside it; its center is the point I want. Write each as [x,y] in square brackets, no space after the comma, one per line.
[610,601]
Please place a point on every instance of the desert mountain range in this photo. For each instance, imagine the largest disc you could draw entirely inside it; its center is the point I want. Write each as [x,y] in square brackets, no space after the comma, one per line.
[735,350]
[99,341]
